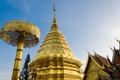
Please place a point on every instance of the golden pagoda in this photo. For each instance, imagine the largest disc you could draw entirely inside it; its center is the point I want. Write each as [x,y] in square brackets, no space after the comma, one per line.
[55,60]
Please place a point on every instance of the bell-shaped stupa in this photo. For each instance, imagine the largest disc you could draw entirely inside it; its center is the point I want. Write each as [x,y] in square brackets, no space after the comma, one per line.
[55,60]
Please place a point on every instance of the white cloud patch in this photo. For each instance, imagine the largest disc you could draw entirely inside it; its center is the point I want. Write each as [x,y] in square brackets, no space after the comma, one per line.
[96,29]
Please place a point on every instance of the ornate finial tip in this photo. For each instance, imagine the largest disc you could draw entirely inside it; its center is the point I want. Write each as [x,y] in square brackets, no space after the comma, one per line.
[117,40]
[54,8]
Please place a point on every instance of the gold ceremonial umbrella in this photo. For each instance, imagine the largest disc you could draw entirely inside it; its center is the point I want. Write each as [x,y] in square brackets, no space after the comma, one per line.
[21,34]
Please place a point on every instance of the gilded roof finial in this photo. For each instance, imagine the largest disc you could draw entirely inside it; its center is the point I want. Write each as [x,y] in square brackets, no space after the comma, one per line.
[118,42]
[54,19]
[54,8]
[119,45]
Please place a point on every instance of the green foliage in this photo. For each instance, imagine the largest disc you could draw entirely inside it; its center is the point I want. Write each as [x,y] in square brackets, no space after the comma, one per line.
[24,74]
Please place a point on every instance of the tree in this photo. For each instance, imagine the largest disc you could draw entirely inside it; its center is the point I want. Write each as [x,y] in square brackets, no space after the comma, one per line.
[24,74]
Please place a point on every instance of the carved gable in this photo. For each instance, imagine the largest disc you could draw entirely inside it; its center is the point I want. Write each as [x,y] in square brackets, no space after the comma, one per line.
[93,70]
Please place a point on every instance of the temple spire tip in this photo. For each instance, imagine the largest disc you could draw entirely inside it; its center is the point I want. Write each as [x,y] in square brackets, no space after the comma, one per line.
[54,24]
[118,42]
[54,8]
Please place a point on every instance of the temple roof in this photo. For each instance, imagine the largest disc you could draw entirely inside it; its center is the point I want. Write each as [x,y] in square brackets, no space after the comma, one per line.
[102,59]
[99,60]
[55,44]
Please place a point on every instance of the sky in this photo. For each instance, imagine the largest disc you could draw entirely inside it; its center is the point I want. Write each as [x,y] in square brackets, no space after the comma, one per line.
[88,26]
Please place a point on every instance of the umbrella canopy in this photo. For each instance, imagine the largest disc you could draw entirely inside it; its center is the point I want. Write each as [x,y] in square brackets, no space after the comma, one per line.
[11,31]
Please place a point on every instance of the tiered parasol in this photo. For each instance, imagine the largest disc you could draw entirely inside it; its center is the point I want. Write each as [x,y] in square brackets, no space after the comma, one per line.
[21,34]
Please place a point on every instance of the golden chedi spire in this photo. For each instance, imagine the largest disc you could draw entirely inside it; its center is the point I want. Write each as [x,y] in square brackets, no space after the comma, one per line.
[55,60]
[55,42]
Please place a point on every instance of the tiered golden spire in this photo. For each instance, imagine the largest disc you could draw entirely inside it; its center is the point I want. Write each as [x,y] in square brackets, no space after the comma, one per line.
[55,43]
[55,60]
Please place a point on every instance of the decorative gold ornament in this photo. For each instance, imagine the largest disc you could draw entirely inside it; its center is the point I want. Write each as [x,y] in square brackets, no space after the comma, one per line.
[21,34]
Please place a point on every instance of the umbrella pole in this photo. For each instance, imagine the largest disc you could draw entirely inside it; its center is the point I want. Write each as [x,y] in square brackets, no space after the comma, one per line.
[17,63]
